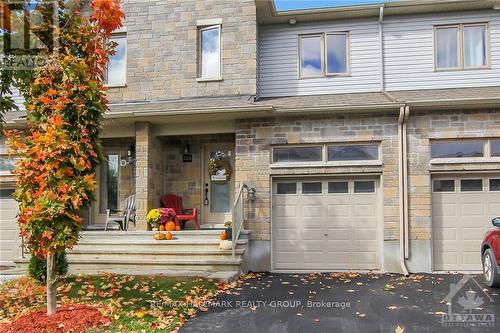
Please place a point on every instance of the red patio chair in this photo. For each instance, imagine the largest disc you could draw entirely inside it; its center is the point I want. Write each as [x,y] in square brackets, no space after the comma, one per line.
[183,215]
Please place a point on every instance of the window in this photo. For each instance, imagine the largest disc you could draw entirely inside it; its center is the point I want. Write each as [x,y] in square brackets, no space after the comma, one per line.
[444,185]
[364,186]
[336,53]
[494,184]
[353,152]
[7,164]
[312,188]
[297,154]
[311,56]
[117,66]
[471,185]
[6,193]
[495,148]
[457,149]
[286,188]
[461,46]
[324,54]
[338,187]
[209,52]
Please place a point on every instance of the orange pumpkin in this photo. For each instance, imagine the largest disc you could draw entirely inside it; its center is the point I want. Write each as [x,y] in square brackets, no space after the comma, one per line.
[170,226]
[177,228]
[162,227]
[223,236]
[169,236]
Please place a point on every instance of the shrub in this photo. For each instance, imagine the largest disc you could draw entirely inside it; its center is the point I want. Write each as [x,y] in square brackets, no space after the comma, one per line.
[37,268]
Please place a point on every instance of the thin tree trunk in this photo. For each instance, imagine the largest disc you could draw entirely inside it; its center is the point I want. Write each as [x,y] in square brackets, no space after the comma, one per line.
[51,284]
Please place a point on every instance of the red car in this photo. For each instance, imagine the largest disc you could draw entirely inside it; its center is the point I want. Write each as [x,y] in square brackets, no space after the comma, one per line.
[490,252]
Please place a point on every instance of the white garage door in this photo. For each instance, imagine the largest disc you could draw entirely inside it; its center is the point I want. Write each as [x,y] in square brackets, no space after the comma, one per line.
[326,224]
[462,209]
[9,236]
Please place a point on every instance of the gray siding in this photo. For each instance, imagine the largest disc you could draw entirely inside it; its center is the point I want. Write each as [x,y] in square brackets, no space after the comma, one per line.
[278,59]
[409,53]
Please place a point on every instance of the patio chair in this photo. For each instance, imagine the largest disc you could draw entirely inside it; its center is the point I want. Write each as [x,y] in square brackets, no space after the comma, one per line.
[183,215]
[122,217]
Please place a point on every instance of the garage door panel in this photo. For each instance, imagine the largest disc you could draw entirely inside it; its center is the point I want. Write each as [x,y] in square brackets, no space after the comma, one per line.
[472,210]
[472,233]
[312,211]
[286,211]
[444,209]
[445,234]
[326,230]
[337,210]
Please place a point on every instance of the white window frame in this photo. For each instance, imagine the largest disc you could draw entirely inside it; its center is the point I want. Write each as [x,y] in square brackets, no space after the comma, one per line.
[324,55]
[347,50]
[200,29]
[486,158]
[120,34]
[461,46]
[325,162]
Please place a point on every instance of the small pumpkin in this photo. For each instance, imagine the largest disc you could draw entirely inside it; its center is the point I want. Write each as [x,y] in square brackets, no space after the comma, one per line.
[177,228]
[162,227]
[169,236]
[170,226]
[159,236]
[223,236]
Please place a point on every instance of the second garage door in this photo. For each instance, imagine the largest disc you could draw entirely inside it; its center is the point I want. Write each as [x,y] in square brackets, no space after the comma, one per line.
[9,237]
[462,209]
[326,224]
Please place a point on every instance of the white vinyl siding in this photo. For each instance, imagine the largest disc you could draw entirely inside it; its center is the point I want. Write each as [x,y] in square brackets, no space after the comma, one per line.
[409,52]
[279,59]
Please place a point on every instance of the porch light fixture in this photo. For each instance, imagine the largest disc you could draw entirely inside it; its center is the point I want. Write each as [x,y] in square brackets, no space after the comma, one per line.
[131,155]
[251,194]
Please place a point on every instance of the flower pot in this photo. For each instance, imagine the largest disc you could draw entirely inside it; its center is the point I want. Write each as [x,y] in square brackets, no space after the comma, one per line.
[229,233]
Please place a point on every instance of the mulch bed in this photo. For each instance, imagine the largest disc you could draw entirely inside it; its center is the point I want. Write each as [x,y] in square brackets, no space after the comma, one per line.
[73,318]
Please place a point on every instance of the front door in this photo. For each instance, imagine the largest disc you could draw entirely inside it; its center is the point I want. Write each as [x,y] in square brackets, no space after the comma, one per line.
[218,183]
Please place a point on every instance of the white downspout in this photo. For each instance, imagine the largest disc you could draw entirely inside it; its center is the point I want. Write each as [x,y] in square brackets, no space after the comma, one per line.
[403,188]
[381,47]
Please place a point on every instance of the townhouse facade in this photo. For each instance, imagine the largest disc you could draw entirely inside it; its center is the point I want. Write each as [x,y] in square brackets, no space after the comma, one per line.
[370,135]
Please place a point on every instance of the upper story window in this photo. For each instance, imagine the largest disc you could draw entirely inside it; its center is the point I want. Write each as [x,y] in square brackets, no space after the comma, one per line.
[457,149]
[461,46]
[209,52]
[324,54]
[116,74]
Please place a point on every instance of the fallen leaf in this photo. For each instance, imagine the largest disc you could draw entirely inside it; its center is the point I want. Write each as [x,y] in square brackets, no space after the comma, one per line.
[399,329]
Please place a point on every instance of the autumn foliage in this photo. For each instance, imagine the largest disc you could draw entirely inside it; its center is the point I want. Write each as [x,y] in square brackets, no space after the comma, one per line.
[59,150]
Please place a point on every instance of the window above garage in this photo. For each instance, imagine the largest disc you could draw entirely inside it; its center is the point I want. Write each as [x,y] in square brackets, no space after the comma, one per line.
[465,151]
[327,154]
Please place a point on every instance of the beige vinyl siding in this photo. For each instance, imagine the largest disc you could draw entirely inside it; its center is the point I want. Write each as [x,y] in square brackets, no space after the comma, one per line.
[409,53]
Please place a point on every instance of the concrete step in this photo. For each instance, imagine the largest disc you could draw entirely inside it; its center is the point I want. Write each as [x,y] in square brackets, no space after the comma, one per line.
[155,246]
[167,253]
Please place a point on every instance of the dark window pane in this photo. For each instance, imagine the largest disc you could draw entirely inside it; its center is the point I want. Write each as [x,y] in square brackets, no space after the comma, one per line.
[469,185]
[457,149]
[297,154]
[6,193]
[494,184]
[495,148]
[311,188]
[338,187]
[287,188]
[364,187]
[444,185]
[353,153]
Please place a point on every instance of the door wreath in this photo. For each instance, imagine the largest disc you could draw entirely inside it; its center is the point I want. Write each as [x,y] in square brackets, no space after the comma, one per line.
[219,168]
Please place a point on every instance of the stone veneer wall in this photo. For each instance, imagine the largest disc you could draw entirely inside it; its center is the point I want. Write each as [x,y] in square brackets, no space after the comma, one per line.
[441,125]
[185,179]
[162,49]
[254,139]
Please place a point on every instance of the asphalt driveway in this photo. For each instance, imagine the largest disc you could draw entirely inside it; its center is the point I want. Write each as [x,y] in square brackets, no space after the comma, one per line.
[342,302]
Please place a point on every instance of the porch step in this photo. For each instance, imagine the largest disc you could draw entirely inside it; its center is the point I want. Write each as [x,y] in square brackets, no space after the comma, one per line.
[154,246]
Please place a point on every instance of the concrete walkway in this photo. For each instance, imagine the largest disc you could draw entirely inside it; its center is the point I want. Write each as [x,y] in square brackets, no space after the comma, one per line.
[353,303]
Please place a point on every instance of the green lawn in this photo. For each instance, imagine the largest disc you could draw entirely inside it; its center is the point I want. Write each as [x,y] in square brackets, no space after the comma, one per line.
[134,303]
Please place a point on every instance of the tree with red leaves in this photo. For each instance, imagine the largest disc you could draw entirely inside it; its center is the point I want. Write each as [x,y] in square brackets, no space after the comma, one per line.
[59,150]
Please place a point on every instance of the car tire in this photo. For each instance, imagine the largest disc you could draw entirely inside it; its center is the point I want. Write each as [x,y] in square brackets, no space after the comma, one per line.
[490,269]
